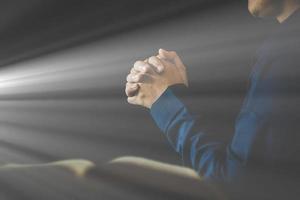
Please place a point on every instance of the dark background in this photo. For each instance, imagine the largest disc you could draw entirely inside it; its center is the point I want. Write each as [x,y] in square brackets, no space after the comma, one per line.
[63,66]
[31,29]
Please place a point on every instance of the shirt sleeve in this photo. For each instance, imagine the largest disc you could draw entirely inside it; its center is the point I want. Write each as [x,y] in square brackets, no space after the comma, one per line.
[205,153]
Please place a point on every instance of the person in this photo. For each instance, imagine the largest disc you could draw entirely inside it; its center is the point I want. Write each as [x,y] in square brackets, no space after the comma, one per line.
[266,135]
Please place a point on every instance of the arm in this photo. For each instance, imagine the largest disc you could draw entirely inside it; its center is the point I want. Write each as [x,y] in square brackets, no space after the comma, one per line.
[205,153]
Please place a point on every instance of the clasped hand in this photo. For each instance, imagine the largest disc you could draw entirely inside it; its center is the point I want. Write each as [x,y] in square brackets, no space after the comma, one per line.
[148,79]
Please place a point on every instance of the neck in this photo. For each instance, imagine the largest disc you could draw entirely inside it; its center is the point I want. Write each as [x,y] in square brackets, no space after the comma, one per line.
[289,7]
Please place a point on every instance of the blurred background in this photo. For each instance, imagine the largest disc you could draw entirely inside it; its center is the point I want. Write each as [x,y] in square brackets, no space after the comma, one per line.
[63,67]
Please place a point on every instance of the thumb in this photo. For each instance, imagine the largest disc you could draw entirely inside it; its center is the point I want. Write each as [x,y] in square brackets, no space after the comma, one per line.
[170,55]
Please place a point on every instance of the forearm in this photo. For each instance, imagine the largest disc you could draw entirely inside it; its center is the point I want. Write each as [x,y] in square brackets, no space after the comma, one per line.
[205,153]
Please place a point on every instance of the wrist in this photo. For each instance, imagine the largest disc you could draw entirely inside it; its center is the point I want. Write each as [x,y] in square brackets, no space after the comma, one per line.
[156,95]
[180,82]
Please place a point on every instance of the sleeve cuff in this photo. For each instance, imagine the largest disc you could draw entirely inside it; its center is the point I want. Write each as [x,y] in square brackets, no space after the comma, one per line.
[164,110]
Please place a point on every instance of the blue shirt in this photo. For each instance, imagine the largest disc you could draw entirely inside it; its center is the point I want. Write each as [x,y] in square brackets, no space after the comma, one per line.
[267,130]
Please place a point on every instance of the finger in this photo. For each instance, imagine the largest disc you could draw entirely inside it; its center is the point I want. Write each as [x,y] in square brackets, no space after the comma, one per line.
[159,57]
[156,63]
[132,100]
[130,78]
[135,100]
[170,55]
[166,54]
[162,60]
[137,78]
[142,67]
[131,89]
[133,71]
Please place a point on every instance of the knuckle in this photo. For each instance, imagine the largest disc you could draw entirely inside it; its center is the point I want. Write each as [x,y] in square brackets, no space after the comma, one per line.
[132,91]
[138,63]
[153,61]
[128,77]
[152,58]
[127,87]
[130,100]
[128,92]
[140,67]
[132,70]
[147,69]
